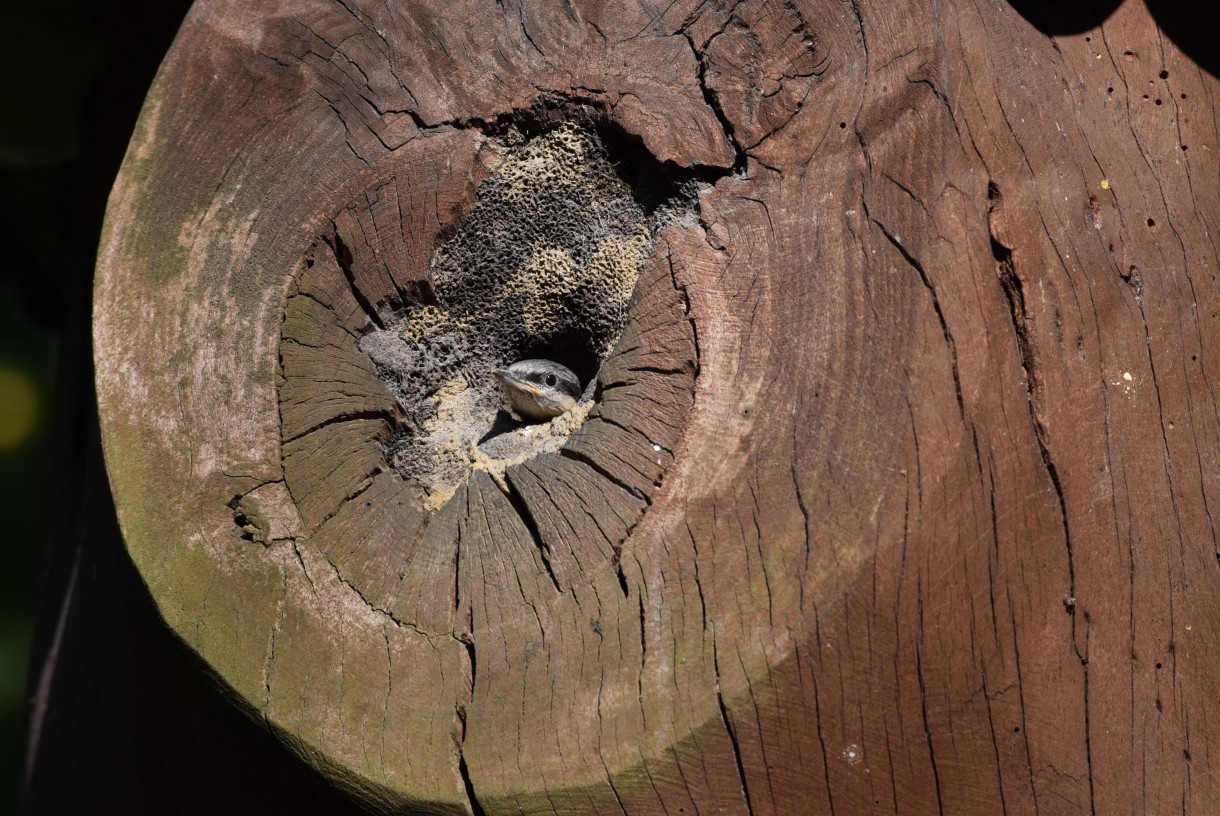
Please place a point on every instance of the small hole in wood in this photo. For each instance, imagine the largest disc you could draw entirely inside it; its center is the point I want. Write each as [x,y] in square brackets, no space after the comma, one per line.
[842,124]
[1164,75]
[1158,101]
[1152,222]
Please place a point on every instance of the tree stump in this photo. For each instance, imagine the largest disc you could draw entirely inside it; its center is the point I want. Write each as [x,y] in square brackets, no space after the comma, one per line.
[891,487]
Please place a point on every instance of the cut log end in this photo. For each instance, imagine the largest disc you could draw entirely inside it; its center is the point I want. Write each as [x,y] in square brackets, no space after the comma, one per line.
[868,358]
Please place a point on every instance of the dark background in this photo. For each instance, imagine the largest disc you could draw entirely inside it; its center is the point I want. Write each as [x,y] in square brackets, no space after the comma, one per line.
[74,77]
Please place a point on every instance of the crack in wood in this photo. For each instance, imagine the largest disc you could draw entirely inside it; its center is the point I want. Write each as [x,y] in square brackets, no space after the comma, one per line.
[343,257]
[531,526]
[602,471]
[468,784]
[712,99]
[346,416]
[923,707]
[914,263]
[727,721]
[1014,293]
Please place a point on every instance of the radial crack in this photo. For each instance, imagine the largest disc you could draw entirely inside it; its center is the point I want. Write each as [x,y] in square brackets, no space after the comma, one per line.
[914,263]
[731,731]
[531,526]
[712,99]
[1014,293]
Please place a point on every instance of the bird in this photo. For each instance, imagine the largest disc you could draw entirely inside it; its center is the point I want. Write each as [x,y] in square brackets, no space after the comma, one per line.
[539,389]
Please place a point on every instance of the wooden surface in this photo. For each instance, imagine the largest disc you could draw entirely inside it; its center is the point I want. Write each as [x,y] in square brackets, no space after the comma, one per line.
[930,375]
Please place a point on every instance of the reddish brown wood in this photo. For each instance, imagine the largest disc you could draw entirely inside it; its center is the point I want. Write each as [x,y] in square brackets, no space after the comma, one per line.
[897,494]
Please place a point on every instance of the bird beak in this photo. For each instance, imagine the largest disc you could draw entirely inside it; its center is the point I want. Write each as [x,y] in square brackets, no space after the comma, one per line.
[513,381]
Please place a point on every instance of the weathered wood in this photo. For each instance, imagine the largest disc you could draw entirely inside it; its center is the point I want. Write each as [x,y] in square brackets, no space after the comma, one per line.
[896,492]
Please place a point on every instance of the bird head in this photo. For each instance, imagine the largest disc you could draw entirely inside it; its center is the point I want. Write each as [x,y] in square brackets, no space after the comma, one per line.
[539,389]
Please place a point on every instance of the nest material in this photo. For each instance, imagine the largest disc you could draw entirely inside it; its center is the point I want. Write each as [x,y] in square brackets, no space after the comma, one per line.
[544,265]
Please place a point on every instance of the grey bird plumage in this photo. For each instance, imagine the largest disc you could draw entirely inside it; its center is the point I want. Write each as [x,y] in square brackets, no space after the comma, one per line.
[539,389]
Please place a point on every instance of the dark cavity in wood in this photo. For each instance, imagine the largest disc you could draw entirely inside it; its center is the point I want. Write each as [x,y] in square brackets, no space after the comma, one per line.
[531,236]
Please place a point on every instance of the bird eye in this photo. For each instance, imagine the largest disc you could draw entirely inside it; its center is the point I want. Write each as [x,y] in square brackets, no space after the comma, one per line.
[551,380]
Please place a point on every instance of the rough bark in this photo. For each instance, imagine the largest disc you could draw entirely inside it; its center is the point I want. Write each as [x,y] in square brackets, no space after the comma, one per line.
[896,495]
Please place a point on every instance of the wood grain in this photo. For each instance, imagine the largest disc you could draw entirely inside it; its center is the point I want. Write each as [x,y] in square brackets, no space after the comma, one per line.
[897,494]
